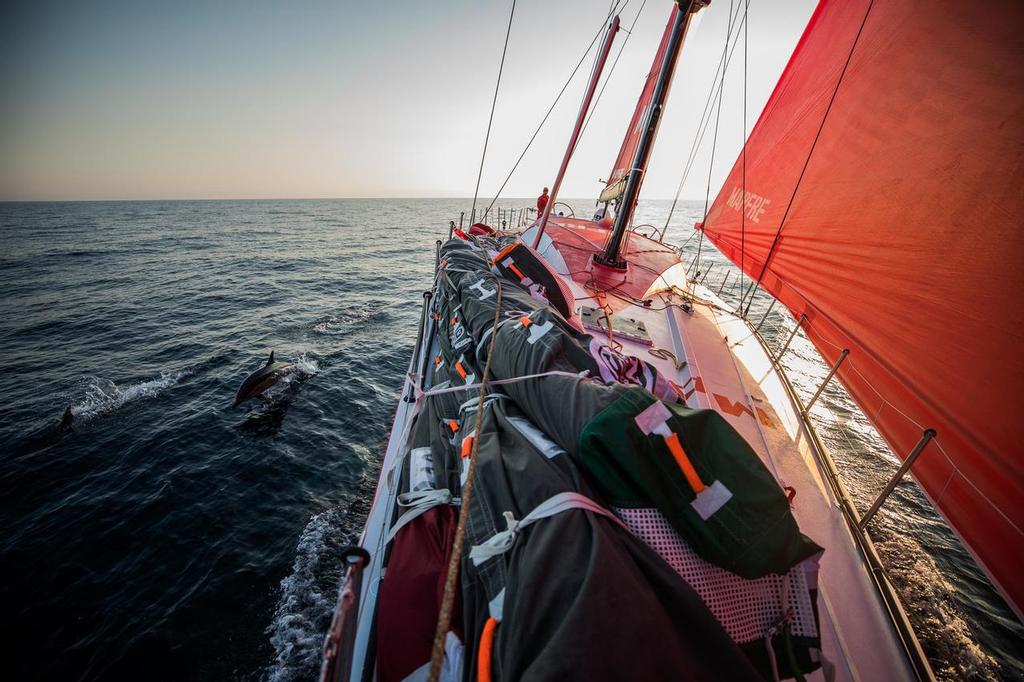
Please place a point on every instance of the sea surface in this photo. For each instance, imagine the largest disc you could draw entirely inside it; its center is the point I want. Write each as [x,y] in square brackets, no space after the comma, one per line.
[166,535]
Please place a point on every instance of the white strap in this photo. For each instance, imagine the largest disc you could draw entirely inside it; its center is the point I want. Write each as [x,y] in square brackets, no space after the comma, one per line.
[418,502]
[537,438]
[501,542]
[483,339]
[475,400]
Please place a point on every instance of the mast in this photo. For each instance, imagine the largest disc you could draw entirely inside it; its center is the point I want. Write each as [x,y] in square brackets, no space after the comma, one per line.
[627,201]
[602,57]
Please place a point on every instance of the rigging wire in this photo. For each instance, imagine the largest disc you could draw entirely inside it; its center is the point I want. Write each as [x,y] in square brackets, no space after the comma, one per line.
[494,103]
[705,120]
[743,191]
[629,32]
[714,141]
[810,152]
[593,70]
[561,92]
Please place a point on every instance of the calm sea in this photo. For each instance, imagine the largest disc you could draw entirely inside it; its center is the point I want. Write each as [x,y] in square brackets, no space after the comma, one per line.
[168,536]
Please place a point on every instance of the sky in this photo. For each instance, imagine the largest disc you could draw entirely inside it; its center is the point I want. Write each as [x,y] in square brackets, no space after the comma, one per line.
[219,99]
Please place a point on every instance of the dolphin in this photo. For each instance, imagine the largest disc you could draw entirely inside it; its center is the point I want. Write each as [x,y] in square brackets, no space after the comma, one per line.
[49,435]
[66,419]
[259,381]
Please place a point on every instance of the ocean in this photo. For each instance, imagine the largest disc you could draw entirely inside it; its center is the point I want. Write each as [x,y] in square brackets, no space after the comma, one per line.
[165,535]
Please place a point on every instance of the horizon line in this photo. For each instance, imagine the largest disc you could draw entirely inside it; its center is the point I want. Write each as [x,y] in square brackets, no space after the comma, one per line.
[311,198]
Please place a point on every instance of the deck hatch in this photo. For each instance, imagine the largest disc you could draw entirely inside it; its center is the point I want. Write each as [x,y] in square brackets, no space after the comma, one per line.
[623,327]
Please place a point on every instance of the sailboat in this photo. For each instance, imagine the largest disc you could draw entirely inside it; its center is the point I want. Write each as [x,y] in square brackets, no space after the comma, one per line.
[599,469]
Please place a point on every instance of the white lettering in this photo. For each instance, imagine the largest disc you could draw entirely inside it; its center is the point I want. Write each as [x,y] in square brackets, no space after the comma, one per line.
[459,336]
[754,205]
[484,292]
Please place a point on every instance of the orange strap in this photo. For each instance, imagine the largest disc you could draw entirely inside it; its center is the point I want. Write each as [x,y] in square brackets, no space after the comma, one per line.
[504,252]
[519,273]
[467,446]
[676,448]
[454,320]
[526,322]
[453,425]
[460,369]
[483,659]
[437,360]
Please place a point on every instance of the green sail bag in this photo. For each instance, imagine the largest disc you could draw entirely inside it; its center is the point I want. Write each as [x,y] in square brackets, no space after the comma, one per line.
[750,529]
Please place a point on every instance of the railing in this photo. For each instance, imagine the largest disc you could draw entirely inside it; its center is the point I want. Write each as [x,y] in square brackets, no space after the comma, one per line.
[341,635]
[503,218]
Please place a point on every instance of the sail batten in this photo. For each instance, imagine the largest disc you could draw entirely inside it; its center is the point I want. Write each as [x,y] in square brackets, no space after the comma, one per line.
[903,241]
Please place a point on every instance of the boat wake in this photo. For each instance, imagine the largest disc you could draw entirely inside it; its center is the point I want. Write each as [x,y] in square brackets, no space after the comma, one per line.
[103,396]
[944,633]
[307,599]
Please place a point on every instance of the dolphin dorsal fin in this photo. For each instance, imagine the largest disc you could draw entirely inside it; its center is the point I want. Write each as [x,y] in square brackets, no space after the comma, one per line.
[271,360]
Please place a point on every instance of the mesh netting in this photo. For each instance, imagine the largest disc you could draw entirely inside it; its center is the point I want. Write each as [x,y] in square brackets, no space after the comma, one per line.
[747,609]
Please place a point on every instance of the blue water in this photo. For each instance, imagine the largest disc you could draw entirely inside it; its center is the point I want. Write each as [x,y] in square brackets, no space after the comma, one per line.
[167,536]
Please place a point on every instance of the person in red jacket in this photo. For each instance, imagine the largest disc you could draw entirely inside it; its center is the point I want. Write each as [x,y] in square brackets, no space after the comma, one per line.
[542,201]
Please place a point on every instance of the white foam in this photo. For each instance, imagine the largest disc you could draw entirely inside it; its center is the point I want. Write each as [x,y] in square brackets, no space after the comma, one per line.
[304,608]
[103,395]
[306,366]
[343,324]
[931,599]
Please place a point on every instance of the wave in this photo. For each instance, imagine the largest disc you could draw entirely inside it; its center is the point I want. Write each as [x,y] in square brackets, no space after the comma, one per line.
[307,599]
[942,627]
[103,396]
[350,321]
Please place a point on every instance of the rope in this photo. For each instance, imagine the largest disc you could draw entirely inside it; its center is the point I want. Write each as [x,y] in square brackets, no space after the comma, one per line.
[494,103]
[714,142]
[553,104]
[810,152]
[501,382]
[444,619]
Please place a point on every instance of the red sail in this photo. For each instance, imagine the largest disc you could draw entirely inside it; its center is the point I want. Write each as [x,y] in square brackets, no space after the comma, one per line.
[623,162]
[903,239]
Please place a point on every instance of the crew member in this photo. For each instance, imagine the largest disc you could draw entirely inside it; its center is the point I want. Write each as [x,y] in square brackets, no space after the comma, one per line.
[542,201]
